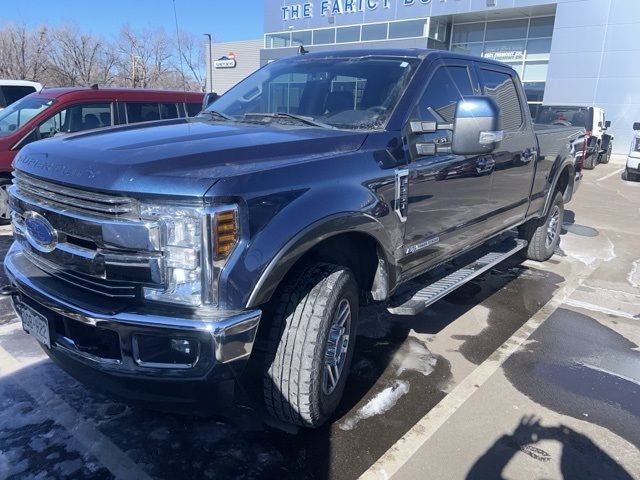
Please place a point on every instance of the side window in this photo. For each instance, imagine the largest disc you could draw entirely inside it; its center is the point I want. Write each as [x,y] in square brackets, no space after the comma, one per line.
[500,87]
[85,116]
[13,93]
[142,112]
[52,125]
[168,110]
[193,109]
[447,86]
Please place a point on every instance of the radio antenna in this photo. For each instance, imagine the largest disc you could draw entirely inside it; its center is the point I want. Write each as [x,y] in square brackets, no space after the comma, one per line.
[184,82]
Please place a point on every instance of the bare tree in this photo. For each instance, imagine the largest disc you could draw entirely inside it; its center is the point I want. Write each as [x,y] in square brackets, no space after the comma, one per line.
[191,58]
[23,53]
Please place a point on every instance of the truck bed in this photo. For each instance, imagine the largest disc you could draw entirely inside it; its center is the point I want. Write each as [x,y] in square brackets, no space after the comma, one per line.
[551,138]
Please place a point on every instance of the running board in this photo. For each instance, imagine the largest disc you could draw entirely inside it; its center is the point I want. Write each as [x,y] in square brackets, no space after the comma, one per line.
[435,291]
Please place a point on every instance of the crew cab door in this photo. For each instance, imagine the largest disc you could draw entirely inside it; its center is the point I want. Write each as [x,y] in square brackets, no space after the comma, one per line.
[446,193]
[514,159]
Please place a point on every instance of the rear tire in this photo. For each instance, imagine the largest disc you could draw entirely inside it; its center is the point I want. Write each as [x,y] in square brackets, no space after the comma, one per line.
[310,344]
[631,177]
[606,156]
[590,162]
[543,234]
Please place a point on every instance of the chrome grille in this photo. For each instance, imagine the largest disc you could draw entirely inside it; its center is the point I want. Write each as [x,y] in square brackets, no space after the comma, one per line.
[86,282]
[102,245]
[92,203]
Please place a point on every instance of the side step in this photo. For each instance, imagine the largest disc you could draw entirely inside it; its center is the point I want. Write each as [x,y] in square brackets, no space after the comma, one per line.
[435,291]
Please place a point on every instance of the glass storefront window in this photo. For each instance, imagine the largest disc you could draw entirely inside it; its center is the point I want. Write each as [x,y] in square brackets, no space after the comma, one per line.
[438,30]
[506,29]
[535,71]
[407,29]
[277,40]
[374,31]
[541,27]
[348,34]
[468,49]
[468,32]
[508,51]
[301,38]
[324,36]
[538,49]
[517,66]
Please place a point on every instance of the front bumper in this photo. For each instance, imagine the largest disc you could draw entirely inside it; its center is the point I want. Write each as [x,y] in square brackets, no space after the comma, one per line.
[115,351]
[633,163]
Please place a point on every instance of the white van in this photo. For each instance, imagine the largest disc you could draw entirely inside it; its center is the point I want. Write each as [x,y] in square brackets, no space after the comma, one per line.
[13,90]
[633,160]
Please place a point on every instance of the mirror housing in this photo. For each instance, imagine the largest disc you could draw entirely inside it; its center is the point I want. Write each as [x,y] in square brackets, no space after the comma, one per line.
[209,98]
[476,126]
[636,126]
[607,123]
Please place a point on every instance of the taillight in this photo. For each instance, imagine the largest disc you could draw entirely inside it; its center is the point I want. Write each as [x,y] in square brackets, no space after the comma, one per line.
[637,147]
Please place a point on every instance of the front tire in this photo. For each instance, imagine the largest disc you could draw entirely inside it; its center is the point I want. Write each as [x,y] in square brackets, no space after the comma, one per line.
[543,234]
[310,344]
[5,211]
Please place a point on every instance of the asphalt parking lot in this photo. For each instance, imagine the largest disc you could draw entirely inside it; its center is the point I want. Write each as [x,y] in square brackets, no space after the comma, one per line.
[530,371]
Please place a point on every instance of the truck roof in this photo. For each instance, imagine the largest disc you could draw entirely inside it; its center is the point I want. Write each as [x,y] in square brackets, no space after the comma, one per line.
[420,53]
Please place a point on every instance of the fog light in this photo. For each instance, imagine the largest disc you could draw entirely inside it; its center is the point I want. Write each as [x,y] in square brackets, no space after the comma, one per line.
[182,346]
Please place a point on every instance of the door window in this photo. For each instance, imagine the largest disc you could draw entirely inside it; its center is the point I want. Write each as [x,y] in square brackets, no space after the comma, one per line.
[148,111]
[86,116]
[52,125]
[501,87]
[447,86]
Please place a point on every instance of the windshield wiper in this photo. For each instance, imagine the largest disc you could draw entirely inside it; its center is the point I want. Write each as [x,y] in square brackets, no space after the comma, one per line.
[217,114]
[300,118]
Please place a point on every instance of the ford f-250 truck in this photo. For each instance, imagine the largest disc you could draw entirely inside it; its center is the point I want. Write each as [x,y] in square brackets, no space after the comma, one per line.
[154,262]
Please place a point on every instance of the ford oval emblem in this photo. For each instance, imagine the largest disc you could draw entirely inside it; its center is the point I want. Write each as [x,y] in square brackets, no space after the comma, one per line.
[40,234]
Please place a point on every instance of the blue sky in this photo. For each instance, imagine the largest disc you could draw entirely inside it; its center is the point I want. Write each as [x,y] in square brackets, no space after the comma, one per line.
[225,19]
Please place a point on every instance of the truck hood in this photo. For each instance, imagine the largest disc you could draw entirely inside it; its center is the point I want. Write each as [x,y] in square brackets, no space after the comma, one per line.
[179,158]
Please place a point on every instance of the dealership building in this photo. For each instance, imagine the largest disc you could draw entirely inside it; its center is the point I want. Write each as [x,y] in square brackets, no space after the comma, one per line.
[569,52]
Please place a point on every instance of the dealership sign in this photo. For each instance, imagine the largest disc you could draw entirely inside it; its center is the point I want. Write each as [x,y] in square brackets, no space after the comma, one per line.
[337,7]
[226,61]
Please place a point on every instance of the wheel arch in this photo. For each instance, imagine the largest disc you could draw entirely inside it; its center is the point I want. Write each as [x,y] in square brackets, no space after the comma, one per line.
[358,243]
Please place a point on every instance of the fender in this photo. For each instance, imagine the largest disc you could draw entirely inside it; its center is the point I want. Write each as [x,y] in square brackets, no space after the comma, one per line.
[303,241]
[567,163]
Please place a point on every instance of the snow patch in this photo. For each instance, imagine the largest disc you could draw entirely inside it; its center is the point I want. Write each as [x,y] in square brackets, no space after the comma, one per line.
[414,356]
[634,275]
[589,258]
[598,308]
[381,403]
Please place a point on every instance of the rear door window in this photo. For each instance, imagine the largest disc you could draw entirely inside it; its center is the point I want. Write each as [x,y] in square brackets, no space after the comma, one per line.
[501,87]
[150,111]
[193,109]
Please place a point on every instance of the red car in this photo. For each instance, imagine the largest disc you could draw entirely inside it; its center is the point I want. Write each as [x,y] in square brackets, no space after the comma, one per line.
[67,110]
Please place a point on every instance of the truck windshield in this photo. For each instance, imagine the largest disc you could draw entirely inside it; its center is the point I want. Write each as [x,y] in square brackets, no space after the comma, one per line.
[567,116]
[20,112]
[340,92]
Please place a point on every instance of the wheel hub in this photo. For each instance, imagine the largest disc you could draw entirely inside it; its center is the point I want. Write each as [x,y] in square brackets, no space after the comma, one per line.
[337,347]
[554,226]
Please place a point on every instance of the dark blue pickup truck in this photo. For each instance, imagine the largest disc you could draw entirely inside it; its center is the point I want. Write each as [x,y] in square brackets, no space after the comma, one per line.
[156,261]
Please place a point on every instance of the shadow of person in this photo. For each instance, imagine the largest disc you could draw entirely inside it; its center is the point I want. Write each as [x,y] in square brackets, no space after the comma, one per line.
[581,457]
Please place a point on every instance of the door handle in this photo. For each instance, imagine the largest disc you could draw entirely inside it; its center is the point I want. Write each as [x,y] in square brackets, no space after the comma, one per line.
[528,155]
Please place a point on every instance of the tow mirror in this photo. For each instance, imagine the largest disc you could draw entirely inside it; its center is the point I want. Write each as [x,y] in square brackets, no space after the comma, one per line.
[636,126]
[476,126]
[209,98]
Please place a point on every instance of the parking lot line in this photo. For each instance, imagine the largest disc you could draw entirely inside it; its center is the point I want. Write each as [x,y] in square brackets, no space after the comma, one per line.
[609,175]
[88,437]
[402,451]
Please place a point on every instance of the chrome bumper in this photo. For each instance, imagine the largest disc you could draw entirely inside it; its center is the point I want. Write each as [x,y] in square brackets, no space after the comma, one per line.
[223,337]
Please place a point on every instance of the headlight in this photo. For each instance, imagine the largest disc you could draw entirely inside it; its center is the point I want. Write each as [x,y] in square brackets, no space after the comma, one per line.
[196,242]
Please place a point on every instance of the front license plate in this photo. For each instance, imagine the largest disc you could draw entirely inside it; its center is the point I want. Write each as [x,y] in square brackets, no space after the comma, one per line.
[35,323]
